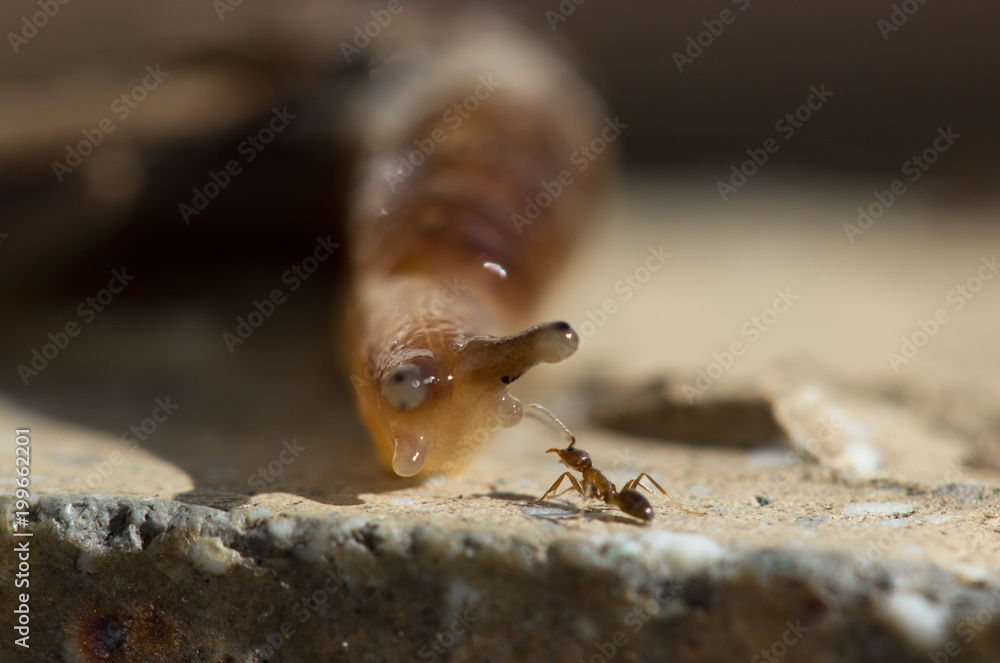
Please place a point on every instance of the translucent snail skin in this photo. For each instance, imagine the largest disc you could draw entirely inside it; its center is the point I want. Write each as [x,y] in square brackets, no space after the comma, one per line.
[466,205]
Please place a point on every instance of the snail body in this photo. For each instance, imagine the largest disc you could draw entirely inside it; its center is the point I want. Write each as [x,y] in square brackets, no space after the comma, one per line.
[452,251]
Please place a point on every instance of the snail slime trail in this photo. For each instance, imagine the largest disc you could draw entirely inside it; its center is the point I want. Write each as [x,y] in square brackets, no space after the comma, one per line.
[463,126]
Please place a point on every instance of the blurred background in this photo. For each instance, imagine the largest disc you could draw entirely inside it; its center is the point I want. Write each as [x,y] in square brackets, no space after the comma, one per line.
[695,101]
[115,117]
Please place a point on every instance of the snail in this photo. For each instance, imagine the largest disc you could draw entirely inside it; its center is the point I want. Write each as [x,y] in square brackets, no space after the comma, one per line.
[467,204]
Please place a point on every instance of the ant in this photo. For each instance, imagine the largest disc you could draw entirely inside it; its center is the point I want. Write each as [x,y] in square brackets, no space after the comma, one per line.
[596,485]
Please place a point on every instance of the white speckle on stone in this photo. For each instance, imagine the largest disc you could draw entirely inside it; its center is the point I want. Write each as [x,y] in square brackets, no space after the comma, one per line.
[893,522]
[922,622]
[84,560]
[863,458]
[805,444]
[355,523]
[939,518]
[281,529]
[700,491]
[311,551]
[972,574]
[256,514]
[403,501]
[686,553]
[583,553]
[209,554]
[549,512]
[810,521]
[770,458]
[879,509]
[461,596]
[585,629]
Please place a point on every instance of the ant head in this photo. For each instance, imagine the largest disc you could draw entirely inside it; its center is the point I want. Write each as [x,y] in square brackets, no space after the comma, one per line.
[575,459]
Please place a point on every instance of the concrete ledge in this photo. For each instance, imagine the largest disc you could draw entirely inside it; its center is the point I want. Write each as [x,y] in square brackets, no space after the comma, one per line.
[159,580]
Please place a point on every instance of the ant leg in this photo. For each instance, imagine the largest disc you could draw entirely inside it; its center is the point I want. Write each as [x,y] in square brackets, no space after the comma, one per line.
[552,490]
[635,483]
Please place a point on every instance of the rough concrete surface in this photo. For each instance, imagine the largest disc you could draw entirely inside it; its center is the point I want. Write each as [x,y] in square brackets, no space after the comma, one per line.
[851,509]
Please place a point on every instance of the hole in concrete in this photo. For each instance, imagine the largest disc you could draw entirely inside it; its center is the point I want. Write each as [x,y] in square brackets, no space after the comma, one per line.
[368,537]
[118,524]
[147,532]
[660,410]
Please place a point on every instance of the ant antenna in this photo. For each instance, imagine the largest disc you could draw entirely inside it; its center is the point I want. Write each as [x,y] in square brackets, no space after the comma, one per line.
[553,418]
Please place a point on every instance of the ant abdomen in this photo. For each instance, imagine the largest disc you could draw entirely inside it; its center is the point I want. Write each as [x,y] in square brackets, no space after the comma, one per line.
[634,504]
